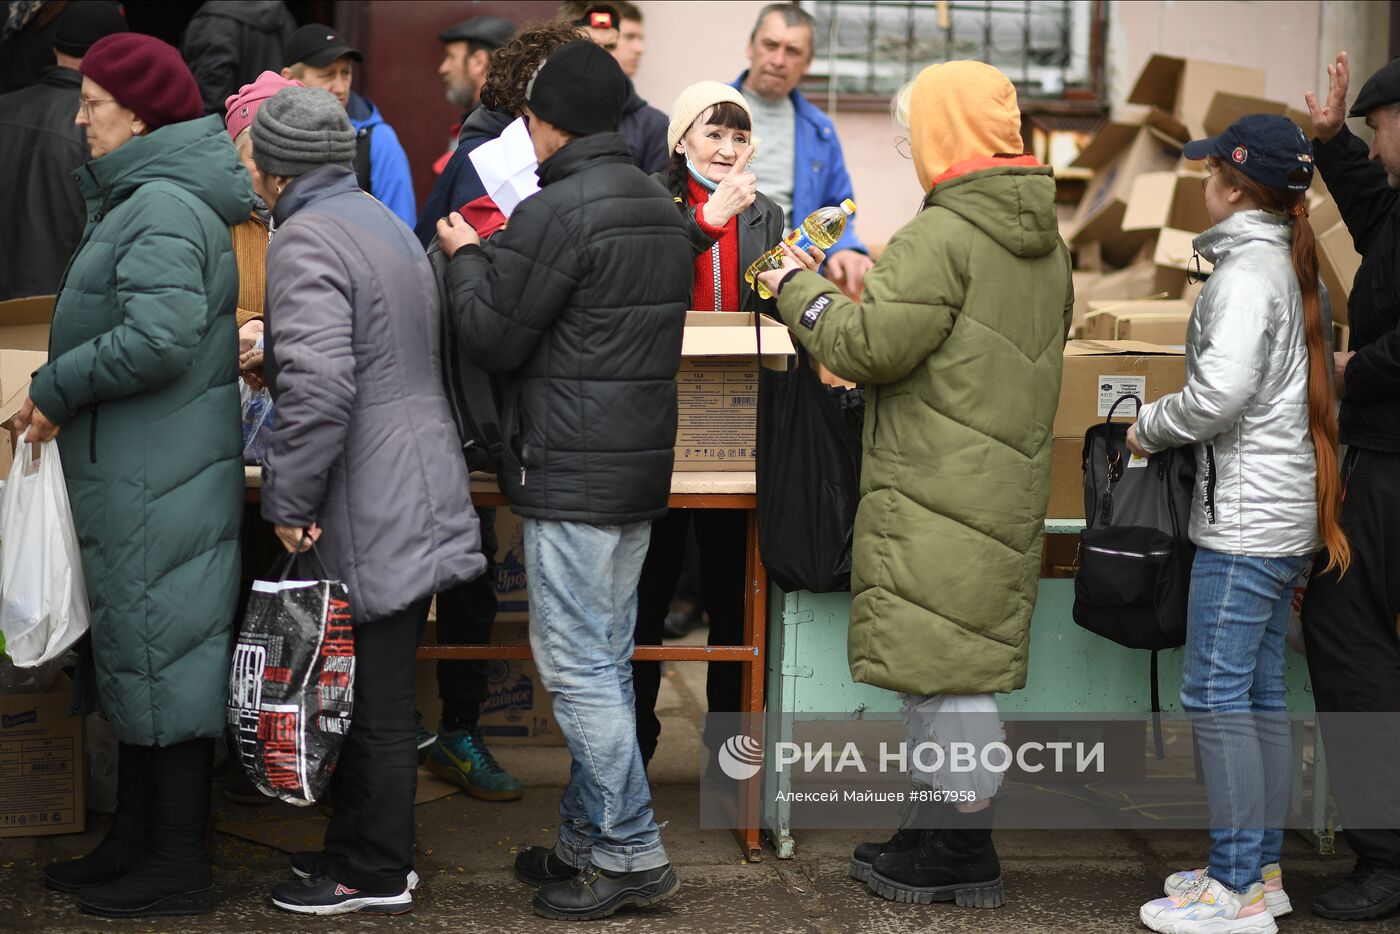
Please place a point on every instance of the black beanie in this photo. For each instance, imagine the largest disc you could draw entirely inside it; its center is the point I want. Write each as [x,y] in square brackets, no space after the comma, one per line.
[82,24]
[580,89]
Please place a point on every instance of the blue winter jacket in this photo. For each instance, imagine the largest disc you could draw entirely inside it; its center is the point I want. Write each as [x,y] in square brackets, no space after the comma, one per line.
[389,177]
[819,176]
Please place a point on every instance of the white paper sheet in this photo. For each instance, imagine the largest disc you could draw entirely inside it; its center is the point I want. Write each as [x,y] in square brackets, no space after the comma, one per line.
[506,166]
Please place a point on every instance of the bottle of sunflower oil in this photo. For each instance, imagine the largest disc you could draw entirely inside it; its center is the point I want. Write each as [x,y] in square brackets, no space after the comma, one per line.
[822,228]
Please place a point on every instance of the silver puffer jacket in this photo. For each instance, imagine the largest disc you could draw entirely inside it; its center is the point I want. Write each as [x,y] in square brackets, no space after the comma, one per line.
[1245,404]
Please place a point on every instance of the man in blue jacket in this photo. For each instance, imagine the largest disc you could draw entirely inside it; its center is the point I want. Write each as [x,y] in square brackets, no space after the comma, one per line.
[799,164]
[318,57]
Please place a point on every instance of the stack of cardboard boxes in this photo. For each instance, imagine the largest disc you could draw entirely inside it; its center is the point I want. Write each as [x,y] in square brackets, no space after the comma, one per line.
[1131,233]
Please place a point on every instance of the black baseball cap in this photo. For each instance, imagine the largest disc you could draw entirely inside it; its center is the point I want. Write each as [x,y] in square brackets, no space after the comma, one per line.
[580,89]
[1270,149]
[491,31]
[316,45]
[82,24]
[1380,89]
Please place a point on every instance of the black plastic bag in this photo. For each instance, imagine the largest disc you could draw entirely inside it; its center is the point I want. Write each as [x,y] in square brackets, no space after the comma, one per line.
[807,453]
[291,684]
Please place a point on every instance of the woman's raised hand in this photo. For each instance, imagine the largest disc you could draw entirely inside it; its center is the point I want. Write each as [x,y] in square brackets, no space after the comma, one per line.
[736,191]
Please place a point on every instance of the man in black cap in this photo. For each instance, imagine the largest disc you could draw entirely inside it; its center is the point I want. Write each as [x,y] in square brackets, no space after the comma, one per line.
[318,57]
[1349,622]
[228,43]
[579,303]
[642,124]
[41,209]
[466,60]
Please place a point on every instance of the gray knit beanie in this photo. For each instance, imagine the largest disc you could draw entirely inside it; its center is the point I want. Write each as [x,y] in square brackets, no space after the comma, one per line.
[300,129]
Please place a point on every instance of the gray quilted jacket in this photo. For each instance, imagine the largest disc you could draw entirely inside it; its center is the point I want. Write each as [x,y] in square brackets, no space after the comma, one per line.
[1245,404]
[364,443]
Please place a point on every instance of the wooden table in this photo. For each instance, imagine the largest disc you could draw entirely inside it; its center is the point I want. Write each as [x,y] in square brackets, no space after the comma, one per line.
[689,490]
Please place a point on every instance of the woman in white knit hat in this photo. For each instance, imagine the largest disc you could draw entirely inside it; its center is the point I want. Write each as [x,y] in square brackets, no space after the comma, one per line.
[711,141]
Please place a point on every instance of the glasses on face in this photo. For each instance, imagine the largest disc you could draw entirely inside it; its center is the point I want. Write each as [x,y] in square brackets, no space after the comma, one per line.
[901,146]
[85,104]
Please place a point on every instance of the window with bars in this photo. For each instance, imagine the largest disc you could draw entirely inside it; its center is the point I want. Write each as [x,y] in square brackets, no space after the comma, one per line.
[869,48]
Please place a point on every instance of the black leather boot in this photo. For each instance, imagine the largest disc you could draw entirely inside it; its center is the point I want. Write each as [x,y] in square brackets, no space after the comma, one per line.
[1371,891]
[917,817]
[956,863]
[175,877]
[129,837]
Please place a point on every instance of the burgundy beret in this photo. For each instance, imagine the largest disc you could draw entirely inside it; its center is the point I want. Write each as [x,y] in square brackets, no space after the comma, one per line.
[146,76]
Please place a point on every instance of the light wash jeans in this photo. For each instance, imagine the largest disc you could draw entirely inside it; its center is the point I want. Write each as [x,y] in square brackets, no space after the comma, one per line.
[582,581]
[954,718]
[1233,688]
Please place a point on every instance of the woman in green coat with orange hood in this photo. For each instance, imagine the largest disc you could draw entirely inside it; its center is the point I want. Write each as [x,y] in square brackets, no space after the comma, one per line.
[959,339]
[141,380]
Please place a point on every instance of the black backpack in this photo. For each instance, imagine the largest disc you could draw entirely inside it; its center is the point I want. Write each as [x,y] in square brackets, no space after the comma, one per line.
[473,395]
[1134,565]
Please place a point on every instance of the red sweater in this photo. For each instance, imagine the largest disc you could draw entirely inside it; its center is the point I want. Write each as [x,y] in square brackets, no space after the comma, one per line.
[726,259]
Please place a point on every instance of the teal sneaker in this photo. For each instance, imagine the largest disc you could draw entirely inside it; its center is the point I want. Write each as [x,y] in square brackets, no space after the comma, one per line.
[461,757]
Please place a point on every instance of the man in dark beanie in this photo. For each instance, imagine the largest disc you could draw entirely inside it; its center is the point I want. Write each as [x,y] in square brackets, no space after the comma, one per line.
[580,302]
[1349,619]
[40,149]
[364,460]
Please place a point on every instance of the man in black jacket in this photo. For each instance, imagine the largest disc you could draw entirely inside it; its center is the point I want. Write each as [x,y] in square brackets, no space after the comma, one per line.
[1349,622]
[40,149]
[229,43]
[580,301]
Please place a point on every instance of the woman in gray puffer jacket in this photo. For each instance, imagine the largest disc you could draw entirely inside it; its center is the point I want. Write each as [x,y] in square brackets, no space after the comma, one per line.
[364,456]
[1258,409]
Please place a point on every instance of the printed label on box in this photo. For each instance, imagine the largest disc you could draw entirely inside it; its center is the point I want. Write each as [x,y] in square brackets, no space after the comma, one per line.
[1113,388]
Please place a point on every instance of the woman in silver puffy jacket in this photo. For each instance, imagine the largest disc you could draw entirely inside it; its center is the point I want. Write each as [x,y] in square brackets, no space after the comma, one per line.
[1258,410]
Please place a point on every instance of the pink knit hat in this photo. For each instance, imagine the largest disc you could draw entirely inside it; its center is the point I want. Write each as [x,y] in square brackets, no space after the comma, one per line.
[243,106]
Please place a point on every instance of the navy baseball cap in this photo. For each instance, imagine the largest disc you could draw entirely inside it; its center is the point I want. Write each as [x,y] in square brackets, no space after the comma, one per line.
[1270,149]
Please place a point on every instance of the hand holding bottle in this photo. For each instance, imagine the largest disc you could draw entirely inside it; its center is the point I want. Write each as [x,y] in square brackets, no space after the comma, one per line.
[735,193]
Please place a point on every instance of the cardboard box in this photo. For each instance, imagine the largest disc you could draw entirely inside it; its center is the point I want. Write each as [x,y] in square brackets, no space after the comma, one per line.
[1119,154]
[1341,337]
[517,709]
[718,388]
[1153,322]
[1135,282]
[41,764]
[1337,262]
[512,599]
[1186,87]
[1096,373]
[24,343]
[1066,479]
[1171,198]
[24,323]
[1175,262]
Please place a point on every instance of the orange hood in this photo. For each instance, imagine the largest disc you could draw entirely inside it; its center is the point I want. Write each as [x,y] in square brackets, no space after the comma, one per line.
[960,111]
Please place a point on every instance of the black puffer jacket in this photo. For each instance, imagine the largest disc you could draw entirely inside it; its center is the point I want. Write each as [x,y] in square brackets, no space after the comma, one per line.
[581,301]
[229,43]
[1370,416]
[40,149]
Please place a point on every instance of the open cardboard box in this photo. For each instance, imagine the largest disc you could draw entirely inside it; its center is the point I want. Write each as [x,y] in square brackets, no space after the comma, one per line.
[1226,107]
[24,343]
[1118,155]
[1337,262]
[718,387]
[1137,281]
[1186,87]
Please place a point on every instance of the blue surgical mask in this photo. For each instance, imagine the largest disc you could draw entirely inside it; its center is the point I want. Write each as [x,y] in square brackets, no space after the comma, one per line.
[695,174]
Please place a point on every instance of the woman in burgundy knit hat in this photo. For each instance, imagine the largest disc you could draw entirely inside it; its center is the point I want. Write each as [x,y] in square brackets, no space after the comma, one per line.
[142,383]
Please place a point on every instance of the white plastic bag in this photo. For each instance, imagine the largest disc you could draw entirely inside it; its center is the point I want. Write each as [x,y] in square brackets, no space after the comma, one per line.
[43,600]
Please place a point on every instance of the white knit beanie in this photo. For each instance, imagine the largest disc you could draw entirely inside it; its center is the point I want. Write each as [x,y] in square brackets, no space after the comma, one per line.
[694,101]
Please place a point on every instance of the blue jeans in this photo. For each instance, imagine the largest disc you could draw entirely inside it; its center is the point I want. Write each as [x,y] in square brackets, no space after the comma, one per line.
[1233,688]
[582,581]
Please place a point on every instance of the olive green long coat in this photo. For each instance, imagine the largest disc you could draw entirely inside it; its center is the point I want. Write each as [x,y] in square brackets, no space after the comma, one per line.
[959,338]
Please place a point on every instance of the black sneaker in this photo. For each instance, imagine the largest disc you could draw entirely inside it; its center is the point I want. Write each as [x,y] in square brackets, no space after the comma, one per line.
[308,863]
[322,895]
[597,893]
[540,865]
[1371,891]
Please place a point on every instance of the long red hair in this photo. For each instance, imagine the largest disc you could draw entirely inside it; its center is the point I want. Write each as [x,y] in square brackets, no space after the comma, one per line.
[1322,414]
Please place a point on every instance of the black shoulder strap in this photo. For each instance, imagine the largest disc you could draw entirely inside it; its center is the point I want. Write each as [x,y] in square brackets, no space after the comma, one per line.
[362,139]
